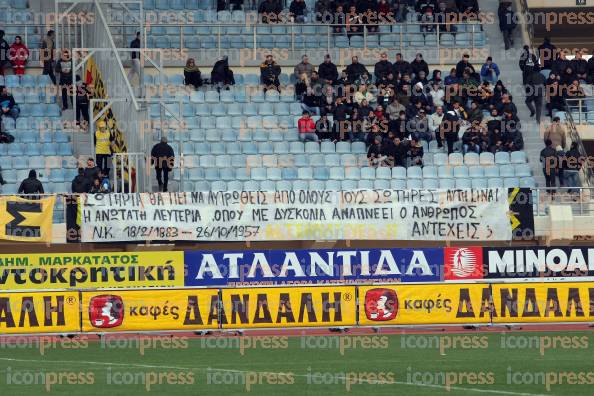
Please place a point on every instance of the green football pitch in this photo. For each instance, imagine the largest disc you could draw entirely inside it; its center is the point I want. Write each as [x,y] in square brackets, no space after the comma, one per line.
[474,363]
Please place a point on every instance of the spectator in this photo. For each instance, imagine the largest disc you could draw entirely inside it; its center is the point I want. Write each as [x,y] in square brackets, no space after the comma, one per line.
[47,55]
[449,128]
[393,109]
[419,64]
[561,63]
[383,67]
[341,113]
[311,102]
[591,70]
[163,158]
[510,129]
[528,63]
[364,94]
[269,72]
[580,66]
[105,183]
[451,78]
[269,9]
[415,153]
[298,11]
[490,71]
[554,98]
[355,69]
[221,75]
[354,22]
[83,96]
[420,126]
[435,120]
[81,184]
[91,171]
[547,53]
[573,166]
[548,157]
[339,26]
[19,54]
[507,22]
[401,67]
[192,74]
[4,54]
[327,71]
[398,152]
[31,185]
[96,187]
[135,58]
[462,65]
[436,94]
[307,128]
[64,67]
[302,73]
[375,153]
[428,20]
[324,129]
[328,101]
[556,133]
[8,106]
[103,139]
[535,92]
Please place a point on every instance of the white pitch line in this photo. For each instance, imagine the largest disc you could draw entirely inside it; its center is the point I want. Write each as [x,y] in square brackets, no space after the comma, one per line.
[458,388]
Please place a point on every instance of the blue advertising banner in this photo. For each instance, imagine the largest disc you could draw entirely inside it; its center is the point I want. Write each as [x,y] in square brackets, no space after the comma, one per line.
[324,266]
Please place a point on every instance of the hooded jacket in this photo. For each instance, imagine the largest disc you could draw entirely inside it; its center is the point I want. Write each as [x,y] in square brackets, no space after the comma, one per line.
[31,185]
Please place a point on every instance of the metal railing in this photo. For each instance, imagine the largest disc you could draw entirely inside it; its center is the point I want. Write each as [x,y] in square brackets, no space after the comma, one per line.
[575,137]
[579,107]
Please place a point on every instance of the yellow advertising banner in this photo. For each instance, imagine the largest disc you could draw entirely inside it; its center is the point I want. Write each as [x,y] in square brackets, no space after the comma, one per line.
[543,302]
[39,312]
[26,220]
[150,310]
[91,270]
[289,307]
[424,304]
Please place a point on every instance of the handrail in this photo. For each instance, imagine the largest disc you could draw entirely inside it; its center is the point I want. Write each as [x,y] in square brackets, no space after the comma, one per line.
[575,137]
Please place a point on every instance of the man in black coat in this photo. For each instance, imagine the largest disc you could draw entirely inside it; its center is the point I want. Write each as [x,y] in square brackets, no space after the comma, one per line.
[91,171]
[382,68]
[221,74]
[81,184]
[163,157]
[591,70]
[355,69]
[401,66]
[507,22]
[535,92]
[31,185]
[269,72]
[327,71]
[419,64]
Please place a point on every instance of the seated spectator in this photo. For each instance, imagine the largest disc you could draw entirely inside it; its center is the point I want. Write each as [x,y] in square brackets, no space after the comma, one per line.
[31,185]
[327,101]
[221,75]
[80,183]
[327,71]
[356,127]
[322,8]
[96,187]
[490,71]
[298,11]
[302,73]
[560,63]
[385,97]
[436,94]
[269,72]
[354,22]
[324,129]
[580,66]
[418,65]
[64,67]
[393,109]
[420,127]
[365,109]
[428,20]
[19,54]
[4,54]
[415,153]
[355,70]
[462,65]
[510,129]
[451,78]
[311,102]
[398,152]
[8,106]
[382,68]
[568,76]
[401,67]
[364,94]
[192,74]
[554,98]
[307,128]
[339,26]
[435,120]
[375,153]
[475,115]
[105,182]
[269,10]
[420,78]
[590,78]
[471,141]
[445,16]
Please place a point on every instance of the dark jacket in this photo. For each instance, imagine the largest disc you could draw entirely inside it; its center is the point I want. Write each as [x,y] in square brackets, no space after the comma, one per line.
[92,173]
[355,70]
[7,101]
[416,67]
[548,156]
[402,67]
[162,155]
[64,67]
[221,73]
[328,71]
[269,72]
[81,184]
[4,48]
[382,68]
[135,44]
[506,18]
[31,185]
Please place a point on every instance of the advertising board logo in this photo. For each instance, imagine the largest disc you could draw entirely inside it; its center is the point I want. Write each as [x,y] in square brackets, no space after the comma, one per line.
[106,311]
[463,263]
[381,304]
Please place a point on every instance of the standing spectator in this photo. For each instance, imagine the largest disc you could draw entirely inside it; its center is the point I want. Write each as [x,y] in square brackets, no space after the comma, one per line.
[270,9]
[449,128]
[269,72]
[573,167]
[91,171]
[561,163]
[8,106]
[548,157]
[490,71]
[382,68]
[302,73]
[81,184]
[507,22]
[4,54]
[103,139]
[163,158]
[554,97]
[327,71]
[418,65]
[580,66]
[307,128]
[47,54]
[192,74]
[83,96]
[298,10]
[591,70]
[547,53]
[31,185]
[221,75]
[135,58]
[64,67]
[528,63]
[400,66]
[556,133]
[535,92]
[355,69]
[19,54]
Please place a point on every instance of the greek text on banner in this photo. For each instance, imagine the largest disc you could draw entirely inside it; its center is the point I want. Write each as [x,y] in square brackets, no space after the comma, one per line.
[91,270]
[464,215]
[39,312]
[26,220]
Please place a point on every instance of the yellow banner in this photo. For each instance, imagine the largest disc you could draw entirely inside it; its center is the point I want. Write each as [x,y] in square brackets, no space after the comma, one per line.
[26,220]
[91,270]
[424,304]
[289,307]
[543,302]
[47,312]
[150,310]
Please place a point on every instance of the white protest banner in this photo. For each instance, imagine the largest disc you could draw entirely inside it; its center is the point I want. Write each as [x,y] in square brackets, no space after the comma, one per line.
[458,215]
